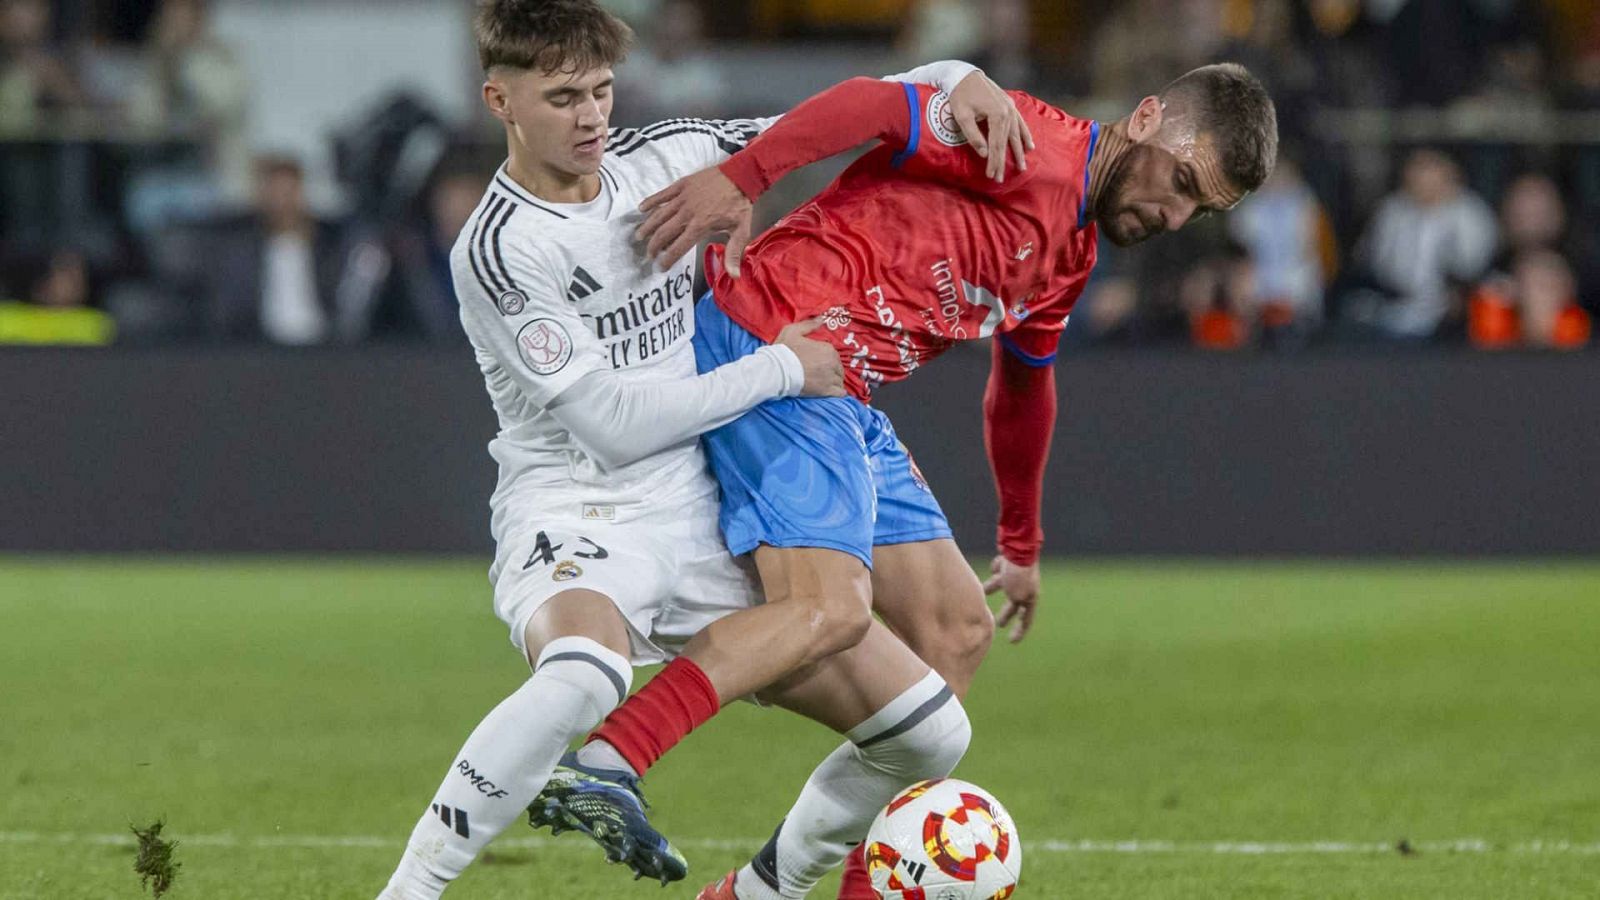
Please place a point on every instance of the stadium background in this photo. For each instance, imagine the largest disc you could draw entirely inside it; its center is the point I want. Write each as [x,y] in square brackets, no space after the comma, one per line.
[1386,353]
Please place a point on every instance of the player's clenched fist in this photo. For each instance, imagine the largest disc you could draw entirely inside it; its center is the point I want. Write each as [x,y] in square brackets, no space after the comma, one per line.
[824,372]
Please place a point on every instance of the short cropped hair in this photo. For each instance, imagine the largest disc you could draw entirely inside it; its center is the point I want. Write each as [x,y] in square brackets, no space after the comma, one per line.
[1232,106]
[549,35]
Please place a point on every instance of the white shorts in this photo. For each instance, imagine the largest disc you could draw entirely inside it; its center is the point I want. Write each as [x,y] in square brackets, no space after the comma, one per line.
[665,567]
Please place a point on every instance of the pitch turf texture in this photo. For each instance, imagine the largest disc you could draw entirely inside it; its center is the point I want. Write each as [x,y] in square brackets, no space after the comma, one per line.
[1252,730]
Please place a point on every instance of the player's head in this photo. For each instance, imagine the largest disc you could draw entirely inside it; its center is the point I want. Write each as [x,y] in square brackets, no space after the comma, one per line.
[548,65]
[1200,145]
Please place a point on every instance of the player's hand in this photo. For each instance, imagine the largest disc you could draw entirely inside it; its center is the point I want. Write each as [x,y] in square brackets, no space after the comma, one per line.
[824,371]
[1021,585]
[978,99]
[692,208]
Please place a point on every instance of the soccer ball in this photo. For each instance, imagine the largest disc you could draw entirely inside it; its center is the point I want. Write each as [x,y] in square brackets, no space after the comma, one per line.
[944,840]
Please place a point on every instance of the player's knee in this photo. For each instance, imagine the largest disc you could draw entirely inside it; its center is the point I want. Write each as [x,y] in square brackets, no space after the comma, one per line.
[931,749]
[956,640]
[840,621]
[597,678]
[836,617]
[941,751]
[974,631]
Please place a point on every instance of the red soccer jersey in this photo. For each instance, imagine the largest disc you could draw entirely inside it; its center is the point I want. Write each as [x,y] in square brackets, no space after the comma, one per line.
[914,248]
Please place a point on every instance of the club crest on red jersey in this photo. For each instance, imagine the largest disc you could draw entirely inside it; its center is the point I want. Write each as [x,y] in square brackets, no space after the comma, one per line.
[942,121]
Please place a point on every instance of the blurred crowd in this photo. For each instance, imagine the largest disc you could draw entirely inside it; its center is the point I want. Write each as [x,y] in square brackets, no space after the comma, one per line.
[1439,180]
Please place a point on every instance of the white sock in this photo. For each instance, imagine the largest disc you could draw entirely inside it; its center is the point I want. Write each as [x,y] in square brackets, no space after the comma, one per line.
[921,734]
[507,760]
[598,754]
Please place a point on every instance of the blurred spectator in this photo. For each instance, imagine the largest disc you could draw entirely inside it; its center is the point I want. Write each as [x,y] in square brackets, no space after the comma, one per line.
[670,74]
[1145,43]
[1533,216]
[941,29]
[1532,305]
[1531,297]
[1344,48]
[1434,48]
[1289,244]
[1426,242]
[193,84]
[57,311]
[273,275]
[1216,298]
[1006,54]
[34,79]
[1262,38]
[413,294]
[996,35]
[1157,291]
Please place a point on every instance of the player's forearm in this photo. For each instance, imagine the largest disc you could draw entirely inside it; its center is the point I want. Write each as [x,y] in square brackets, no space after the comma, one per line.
[1019,415]
[619,420]
[841,117]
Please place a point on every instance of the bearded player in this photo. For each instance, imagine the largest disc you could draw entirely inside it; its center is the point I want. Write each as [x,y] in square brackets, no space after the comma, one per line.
[605,517]
[910,251]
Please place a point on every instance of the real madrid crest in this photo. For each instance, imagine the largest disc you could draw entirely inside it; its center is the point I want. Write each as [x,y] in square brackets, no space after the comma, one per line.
[566,570]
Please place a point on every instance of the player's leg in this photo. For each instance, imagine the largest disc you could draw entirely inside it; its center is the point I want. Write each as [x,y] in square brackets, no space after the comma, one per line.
[921,586]
[928,594]
[818,603]
[797,490]
[577,625]
[903,725]
[577,645]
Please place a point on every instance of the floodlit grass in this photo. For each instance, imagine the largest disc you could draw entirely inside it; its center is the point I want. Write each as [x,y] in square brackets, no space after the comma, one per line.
[290,720]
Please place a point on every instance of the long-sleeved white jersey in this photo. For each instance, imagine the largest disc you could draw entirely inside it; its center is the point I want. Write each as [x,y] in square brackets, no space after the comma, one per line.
[551,293]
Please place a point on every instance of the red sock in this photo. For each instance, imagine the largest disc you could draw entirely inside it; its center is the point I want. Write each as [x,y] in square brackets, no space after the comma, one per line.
[675,702]
[856,885]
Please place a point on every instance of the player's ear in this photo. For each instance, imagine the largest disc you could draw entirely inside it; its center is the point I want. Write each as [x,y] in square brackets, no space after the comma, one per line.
[1145,120]
[497,99]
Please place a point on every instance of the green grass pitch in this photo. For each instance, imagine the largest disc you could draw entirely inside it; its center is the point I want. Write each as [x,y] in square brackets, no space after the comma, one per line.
[1266,730]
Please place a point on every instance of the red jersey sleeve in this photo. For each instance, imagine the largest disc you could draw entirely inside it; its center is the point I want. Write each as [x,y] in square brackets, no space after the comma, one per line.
[1019,415]
[915,119]
[844,116]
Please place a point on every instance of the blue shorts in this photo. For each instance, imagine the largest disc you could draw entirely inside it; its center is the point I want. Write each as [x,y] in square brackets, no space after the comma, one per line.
[810,472]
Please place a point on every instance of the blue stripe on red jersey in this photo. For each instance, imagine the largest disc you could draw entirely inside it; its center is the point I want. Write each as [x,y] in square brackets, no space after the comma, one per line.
[916,127]
[1037,362]
[1083,205]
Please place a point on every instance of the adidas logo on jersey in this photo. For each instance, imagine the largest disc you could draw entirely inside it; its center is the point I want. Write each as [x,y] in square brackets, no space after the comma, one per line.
[583,284]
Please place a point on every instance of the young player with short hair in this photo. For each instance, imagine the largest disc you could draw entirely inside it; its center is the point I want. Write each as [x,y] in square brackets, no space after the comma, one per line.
[820,491]
[605,517]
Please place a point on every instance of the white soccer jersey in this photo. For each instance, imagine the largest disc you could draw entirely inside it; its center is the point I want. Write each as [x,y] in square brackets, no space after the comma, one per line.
[552,292]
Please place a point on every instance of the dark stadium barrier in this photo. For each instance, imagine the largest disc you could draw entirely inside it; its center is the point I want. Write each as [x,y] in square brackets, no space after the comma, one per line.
[382,450]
